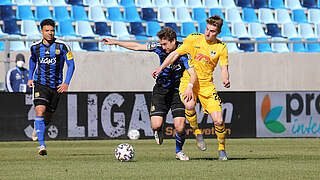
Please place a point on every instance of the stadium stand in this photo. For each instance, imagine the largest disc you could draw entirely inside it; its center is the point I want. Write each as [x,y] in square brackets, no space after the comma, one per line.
[292,4]
[109,3]
[83,29]
[238,29]
[165,14]
[249,15]
[227,4]
[60,13]
[101,28]
[313,47]
[136,29]
[96,14]
[6,13]
[57,3]
[11,27]
[187,28]
[273,30]
[161,3]
[114,14]
[233,15]
[42,12]
[127,3]
[246,47]
[309,3]
[78,13]
[216,11]
[199,14]
[176,3]
[89,46]
[144,4]
[24,13]
[282,16]
[119,29]
[211,4]
[255,30]
[265,16]
[296,47]
[148,14]
[152,28]
[298,16]
[39,2]
[131,14]
[289,30]
[194,4]
[91,2]
[276,4]
[305,30]
[174,27]
[263,47]
[182,14]
[30,28]
[244,3]
[279,46]
[259,4]
[75,2]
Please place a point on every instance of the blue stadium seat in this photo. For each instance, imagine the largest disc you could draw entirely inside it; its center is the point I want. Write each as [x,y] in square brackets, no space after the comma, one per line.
[309,3]
[144,4]
[203,25]
[276,4]
[292,4]
[83,29]
[75,46]
[216,11]
[22,2]
[101,28]
[305,30]
[244,3]
[232,47]
[119,29]
[282,16]
[187,28]
[131,14]
[141,38]
[65,28]
[109,3]
[42,12]
[127,3]
[60,13]
[211,4]
[24,13]
[259,4]
[6,2]
[2,33]
[314,16]
[96,14]
[199,14]
[249,15]
[78,13]
[152,28]
[11,27]
[176,3]
[30,28]
[148,14]
[91,2]
[182,14]
[161,3]
[57,3]
[289,30]
[233,15]
[194,4]
[75,2]
[255,30]
[89,46]
[318,4]
[225,30]
[312,47]
[239,30]
[279,47]
[36,37]
[114,14]
[1,44]
[174,27]
[317,30]
[227,4]
[6,13]
[298,16]
[263,47]
[296,47]
[265,16]
[165,14]
[246,47]
[17,45]
[39,2]
[136,28]
[273,30]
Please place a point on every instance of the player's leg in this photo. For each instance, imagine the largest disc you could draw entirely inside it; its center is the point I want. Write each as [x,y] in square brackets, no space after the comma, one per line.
[40,128]
[156,125]
[180,136]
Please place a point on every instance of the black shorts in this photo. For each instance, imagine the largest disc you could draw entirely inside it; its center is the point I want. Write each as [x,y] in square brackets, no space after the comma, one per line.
[44,95]
[163,100]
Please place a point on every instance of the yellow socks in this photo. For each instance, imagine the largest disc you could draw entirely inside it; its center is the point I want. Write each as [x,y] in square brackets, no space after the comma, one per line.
[192,118]
[221,134]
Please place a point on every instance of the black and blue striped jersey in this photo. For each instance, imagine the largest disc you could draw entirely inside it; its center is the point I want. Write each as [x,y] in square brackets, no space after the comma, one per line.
[47,62]
[170,76]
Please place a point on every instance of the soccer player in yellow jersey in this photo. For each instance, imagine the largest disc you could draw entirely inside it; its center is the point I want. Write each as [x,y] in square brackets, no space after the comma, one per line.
[205,51]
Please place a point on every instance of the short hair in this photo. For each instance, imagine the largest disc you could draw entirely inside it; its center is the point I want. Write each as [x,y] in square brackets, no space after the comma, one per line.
[20,57]
[167,33]
[215,20]
[47,22]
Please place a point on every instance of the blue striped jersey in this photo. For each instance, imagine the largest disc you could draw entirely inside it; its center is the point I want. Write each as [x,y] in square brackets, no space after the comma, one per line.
[47,62]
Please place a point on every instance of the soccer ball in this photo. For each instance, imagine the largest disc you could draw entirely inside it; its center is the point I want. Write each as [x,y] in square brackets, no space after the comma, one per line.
[124,152]
[133,134]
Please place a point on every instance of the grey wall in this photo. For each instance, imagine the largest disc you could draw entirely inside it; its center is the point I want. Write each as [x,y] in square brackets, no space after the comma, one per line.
[131,71]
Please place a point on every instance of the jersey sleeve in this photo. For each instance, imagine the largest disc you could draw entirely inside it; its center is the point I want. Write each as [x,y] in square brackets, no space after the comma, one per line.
[186,47]
[186,59]
[223,59]
[70,63]
[32,63]
[151,46]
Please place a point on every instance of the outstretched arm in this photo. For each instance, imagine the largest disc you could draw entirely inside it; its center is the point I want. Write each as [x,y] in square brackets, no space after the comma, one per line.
[129,45]
[225,76]
[188,93]
[171,58]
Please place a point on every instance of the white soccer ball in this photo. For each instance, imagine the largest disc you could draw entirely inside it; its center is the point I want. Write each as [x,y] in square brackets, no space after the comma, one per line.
[124,152]
[133,134]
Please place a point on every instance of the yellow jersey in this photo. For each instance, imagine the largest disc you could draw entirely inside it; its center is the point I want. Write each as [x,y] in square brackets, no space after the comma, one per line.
[204,55]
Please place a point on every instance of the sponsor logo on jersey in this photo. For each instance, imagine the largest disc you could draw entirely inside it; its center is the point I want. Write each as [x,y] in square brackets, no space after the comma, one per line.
[36,94]
[69,55]
[57,51]
[48,60]
[213,53]
[201,57]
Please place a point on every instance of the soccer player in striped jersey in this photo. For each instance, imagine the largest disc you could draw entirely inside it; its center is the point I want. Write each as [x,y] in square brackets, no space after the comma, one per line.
[165,95]
[46,76]
[206,51]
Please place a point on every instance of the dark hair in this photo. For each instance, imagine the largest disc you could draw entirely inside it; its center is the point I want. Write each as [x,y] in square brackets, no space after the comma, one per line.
[47,22]
[167,34]
[215,20]
[20,57]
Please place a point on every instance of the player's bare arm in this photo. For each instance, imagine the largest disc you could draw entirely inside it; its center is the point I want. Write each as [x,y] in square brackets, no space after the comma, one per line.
[63,88]
[188,93]
[225,76]
[171,58]
[129,45]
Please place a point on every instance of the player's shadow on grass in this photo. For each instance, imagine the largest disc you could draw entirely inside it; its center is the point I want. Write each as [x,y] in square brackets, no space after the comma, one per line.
[231,159]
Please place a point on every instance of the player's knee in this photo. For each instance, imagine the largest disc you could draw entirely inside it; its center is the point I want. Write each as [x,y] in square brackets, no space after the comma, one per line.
[189,106]
[218,122]
[179,129]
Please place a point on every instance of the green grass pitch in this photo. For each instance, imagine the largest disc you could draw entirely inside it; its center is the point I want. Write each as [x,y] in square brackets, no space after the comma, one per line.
[271,158]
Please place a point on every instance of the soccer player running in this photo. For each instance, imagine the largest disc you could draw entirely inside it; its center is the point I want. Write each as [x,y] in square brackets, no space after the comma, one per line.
[165,93]
[205,50]
[46,76]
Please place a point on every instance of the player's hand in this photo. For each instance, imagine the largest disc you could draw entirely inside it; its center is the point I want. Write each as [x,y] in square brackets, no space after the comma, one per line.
[30,83]
[107,41]
[226,83]
[63,88]
[188,94]
[156,72]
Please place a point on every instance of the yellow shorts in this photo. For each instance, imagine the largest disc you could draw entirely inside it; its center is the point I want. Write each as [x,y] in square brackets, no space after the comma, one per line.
[206,93]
